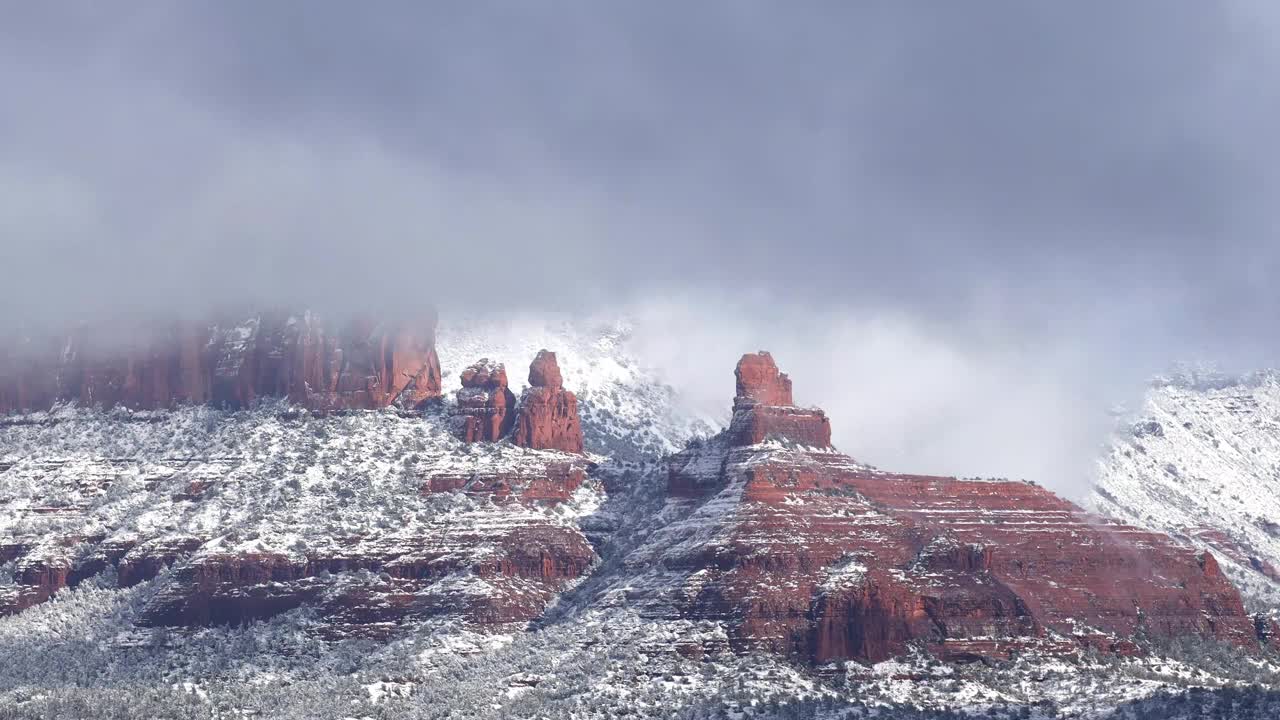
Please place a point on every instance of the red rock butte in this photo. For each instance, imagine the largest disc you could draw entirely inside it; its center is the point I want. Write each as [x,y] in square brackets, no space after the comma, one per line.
[548,416]
[760,381]
[763,408]
[803,551]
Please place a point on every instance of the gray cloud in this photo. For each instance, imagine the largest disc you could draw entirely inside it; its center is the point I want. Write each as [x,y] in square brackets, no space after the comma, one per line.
[1002,177]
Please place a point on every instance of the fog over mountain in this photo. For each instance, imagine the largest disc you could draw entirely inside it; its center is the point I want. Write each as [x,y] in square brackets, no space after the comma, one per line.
[965,229]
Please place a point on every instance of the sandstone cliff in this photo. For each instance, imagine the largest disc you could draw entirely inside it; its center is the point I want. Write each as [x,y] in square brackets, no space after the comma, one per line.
[359,364]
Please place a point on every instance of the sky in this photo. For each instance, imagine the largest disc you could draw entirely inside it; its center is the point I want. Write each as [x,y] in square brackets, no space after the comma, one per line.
[971,227]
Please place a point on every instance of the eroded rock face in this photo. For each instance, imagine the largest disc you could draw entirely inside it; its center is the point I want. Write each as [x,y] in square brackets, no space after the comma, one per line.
[803,551]
[360,365]
[763,408]
[1234,549]
[548,417]
[486,406]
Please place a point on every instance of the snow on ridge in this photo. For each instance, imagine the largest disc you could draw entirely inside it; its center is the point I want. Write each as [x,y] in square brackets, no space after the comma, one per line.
[1207,378]
[1200,461]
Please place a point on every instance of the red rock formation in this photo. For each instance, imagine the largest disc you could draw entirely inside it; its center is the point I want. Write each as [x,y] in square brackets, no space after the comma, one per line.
[763,408]
[760,382]
[140,563]
[498,563]
[363,365]
[486,406]
[544,371]
[548,417]
[805,552]
[231,364]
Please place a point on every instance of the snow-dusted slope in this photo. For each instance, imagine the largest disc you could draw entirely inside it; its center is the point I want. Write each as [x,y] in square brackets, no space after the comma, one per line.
[268,474]
[1201,461]
[156,487]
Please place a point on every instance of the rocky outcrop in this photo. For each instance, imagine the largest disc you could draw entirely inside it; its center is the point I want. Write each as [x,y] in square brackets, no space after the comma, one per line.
[486,406]
[1234,549]
[763,408]
[760,382]
[361,364]
[548,416]
[803,551]
[544,371]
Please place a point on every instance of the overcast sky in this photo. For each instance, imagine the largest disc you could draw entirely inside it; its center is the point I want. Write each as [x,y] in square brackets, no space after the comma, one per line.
[1072,194]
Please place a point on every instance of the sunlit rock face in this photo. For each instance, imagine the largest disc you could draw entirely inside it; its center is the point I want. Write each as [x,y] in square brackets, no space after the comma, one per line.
[231,363]
[760,382]
[803,551]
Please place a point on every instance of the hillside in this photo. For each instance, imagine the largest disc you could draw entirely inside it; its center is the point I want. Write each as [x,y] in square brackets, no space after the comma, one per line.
[1200,460]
